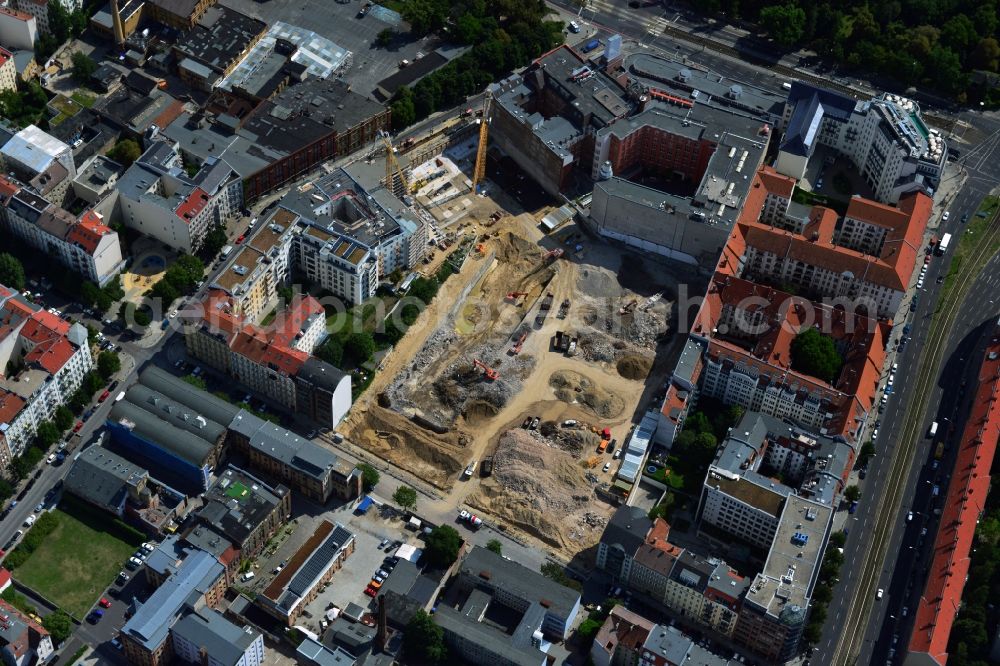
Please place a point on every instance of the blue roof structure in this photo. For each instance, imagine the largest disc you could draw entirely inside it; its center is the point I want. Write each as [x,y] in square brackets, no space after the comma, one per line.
[811,106]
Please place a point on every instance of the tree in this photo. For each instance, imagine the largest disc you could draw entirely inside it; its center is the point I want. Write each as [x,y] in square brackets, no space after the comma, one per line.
[815,355]
[11,272]
[852,493]
[369,476]
[403,112]
[494,546]
[214,241]
[59,625]
[785,23]
[331,351]
[125,152]
[664,508]
[385,37]
[867,453]
[108,364]
[442,546]
[360,347]
[423,641]
[47,434]
[553,571]
[838,539]
[63,418]
[405,497]
[83,67]
[587,630]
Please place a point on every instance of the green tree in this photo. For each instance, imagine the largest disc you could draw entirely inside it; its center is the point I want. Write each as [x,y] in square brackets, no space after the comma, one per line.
[214,241]
[59,625]
[423,641]
[815,355]
[665,508]
[108,364]
[196,382]
[838,539]
[369,476]
[405,497]
[852,493]
[424,289]
[785,23]
[403,111]
[83,66]
[866,454]
[125,152]
[442,546]
[63,418]
[331,351]
[385,37]
[986,54]
[555,572]
[494,546]
[11,272]
[47,434]
[360,347]
[588,630]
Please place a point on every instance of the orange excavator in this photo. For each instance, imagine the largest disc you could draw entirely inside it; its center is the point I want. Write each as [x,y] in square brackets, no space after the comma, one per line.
[488,372]
[514,295]
[516,349]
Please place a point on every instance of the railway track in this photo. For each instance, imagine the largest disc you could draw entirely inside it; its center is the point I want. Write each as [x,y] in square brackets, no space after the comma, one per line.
[848,645]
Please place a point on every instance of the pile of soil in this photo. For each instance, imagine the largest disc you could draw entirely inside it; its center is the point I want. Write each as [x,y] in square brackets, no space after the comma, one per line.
[574,388]
[543,491]
[633,366]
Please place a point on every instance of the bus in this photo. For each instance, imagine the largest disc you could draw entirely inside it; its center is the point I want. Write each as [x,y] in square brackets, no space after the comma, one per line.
[942,247]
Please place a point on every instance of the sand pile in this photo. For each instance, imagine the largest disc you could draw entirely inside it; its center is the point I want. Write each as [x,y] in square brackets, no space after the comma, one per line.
[634,366]
[543,491]
[574,388]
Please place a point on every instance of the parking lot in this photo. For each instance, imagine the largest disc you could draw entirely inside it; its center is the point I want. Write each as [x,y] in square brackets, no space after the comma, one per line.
[340,23]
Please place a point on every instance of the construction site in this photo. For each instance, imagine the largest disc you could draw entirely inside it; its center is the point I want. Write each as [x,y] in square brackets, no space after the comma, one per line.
[528,368]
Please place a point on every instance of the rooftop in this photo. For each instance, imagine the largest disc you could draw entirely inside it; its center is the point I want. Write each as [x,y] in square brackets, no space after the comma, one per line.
[221,37]
[519,582]
[103,478]
[35,150]
[307,566]
[237,503]
[217,636]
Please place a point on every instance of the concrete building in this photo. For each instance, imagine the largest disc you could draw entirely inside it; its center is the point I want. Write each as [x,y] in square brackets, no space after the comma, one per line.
[207,638]
[96,179]
[244,510]
[312,565]
[282,138]
[669,646]
[210,50]
[159,199]
[8,71]
[885,138]
[316,654]
[23,642]
[18,30]
[620,639]
[46,359]
[198,583]
[106,480]
[40,160]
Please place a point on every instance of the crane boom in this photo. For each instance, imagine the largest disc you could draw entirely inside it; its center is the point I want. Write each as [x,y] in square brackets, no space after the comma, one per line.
[479,173]
[395,178]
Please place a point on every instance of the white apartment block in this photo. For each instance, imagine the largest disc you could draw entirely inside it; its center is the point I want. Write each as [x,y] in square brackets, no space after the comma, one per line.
[337,263]
[885,138]
[206,637]
[743,507]
[18,30]
[8,71]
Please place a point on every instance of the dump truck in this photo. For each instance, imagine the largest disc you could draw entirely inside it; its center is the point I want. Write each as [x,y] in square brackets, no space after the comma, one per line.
[487,467]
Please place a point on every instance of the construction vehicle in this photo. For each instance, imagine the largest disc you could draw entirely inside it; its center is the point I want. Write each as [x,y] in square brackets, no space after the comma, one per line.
[543,309]
[479,173]
[395,178]
[481,249]
[571,350]
[514,295]
[563,309]
[592,462]
[516,349]
[651,301]
[552,255]
[625,309]
[603,446]
[488,372]
[561,343]
[487,467]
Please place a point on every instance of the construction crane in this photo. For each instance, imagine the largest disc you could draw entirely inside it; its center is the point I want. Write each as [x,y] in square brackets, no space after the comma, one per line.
[488,372]
[479,173]
[395,178]
[514,295]
[552,254]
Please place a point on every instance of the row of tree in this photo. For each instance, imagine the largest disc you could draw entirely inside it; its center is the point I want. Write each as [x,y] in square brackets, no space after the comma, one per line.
[503,35]
[936,43]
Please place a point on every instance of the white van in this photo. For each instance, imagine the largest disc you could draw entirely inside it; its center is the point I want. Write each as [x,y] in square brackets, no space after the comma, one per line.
[933,430]
[574,27]
[248,576]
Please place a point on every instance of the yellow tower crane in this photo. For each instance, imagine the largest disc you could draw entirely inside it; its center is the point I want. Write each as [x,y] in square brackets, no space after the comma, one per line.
[395,177]
[479,174]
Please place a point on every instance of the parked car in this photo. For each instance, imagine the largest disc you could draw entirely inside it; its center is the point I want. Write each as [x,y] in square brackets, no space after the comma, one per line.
[371,591]
[133,563]
[104,603]
[607,466]
[95,616]
[51,459]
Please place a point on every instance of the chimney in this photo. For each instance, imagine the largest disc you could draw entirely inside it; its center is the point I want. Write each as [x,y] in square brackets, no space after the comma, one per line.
[380,635]
[116,18]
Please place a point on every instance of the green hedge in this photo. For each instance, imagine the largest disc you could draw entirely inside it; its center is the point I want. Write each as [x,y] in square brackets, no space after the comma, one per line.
[44,526]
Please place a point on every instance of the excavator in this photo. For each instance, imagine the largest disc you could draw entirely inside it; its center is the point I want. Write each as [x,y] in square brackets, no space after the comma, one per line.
[516,349]
[514,295]
[553,254]
[488,372]
[625,309]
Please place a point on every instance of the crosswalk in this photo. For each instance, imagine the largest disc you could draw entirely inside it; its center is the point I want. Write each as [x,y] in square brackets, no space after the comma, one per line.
[654,26]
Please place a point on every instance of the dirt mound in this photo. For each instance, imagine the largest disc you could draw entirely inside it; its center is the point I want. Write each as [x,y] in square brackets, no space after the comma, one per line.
[542,491]
[477,411]
[433,457]
[510,248]
[633,366]
[574,388]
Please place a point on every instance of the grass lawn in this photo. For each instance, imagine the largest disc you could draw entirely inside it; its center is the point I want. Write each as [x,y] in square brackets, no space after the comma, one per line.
[667,475]
[85,100]
[78,560]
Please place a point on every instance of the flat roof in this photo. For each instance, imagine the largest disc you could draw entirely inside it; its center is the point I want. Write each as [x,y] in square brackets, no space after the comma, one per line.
[221,37]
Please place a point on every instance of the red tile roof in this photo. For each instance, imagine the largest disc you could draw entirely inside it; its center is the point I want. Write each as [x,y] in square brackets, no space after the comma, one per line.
[776,183]
[255,345]
[11,405]
[5,55]
[44,325]
[963,503]
[88,231]
[291,320]
[219,313]
[194,204]
[52,356]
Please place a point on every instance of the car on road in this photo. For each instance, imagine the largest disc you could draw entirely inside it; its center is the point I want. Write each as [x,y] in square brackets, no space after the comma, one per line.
[116,644]
[76,428]
[30,520]
[95,616]
[906,611]
[104,603]
[607,466]
[371,591]
[965,218]
[378,579]
[122,577]
[923,531]
[909,516]
[51,459]
[879,594]
[384,543]
[375,583]
[104,396]
[40,507]
[383,573]
[947,214]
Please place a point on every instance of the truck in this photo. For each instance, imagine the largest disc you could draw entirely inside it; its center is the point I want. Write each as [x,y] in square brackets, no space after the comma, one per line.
[933,430]
[939,451]
[942,247]
[590,46]
[603,446]
[470,470]
[487,467]
[227,250]
[571,350]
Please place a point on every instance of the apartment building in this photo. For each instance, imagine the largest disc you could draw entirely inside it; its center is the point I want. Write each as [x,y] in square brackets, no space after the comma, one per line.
[207,637]
[106,480]
[46,359]
[18,30]
[884,137]
[620,639]
[84,245]
[23,641]
[8,71]
[159,199]
[41,161]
